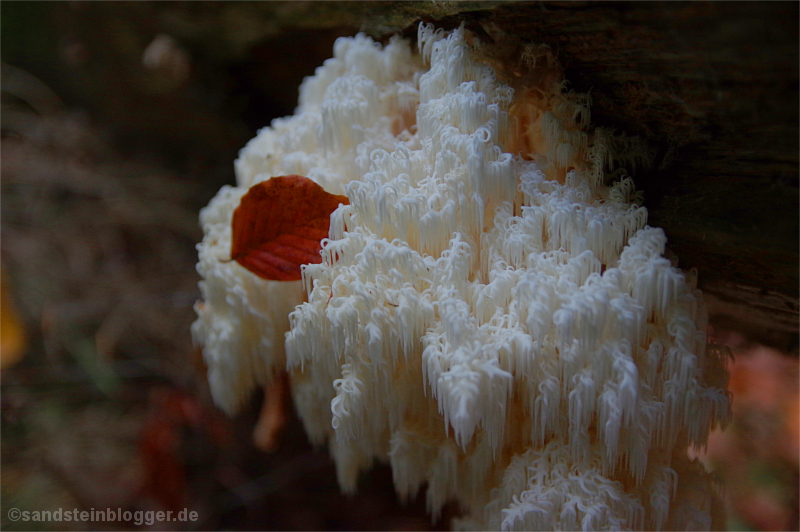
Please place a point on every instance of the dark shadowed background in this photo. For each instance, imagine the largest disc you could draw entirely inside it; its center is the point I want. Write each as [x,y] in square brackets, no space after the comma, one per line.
[121,120]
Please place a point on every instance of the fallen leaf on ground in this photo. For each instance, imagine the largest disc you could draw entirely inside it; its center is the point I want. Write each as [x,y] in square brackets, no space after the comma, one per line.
[12,334]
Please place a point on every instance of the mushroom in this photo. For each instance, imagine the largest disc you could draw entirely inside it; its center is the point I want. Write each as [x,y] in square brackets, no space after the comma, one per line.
[501,327]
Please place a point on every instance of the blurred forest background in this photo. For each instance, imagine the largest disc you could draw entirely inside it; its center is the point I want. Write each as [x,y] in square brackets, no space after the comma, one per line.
[119,122]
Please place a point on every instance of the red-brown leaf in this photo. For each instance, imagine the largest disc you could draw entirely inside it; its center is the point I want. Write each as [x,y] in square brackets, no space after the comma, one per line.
[279,224]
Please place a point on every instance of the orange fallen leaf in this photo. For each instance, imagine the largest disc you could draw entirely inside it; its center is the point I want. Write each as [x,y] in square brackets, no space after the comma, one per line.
[279,224]
[12,334]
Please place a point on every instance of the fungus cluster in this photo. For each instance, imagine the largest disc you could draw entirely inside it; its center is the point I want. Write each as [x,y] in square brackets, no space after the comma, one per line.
[501,327]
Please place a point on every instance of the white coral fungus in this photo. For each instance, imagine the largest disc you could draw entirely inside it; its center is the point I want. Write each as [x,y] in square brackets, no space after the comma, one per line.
[501,327]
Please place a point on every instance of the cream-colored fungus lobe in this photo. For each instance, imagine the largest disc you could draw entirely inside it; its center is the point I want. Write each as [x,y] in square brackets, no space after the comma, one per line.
[502,328]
